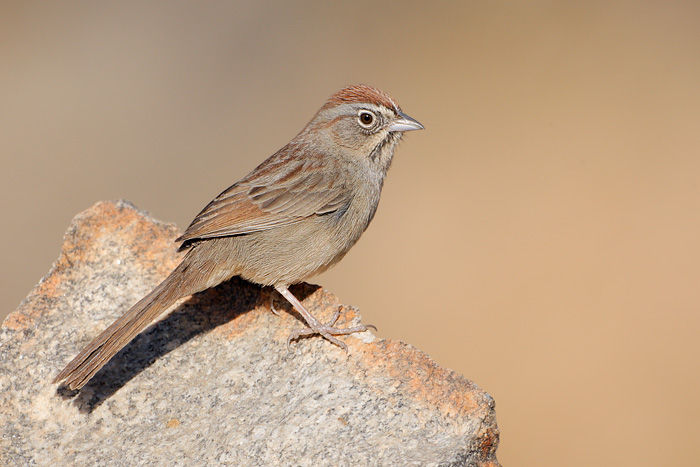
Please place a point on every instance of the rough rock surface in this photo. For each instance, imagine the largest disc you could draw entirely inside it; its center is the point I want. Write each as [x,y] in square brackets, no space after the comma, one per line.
[212,382]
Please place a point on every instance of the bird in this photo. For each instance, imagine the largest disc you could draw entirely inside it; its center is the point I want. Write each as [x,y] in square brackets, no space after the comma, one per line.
[294,216]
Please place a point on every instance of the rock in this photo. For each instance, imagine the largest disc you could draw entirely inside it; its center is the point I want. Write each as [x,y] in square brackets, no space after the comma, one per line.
[213,382]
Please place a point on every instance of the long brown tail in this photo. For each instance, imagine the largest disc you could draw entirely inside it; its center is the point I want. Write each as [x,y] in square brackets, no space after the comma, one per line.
[93,357]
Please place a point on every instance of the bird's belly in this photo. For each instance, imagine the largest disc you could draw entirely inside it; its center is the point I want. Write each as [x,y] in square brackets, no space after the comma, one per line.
[291,254]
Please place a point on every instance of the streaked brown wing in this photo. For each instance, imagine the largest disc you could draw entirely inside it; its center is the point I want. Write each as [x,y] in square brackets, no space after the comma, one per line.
[281,191]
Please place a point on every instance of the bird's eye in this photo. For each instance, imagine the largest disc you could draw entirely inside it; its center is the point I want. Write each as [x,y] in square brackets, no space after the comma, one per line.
[366,118]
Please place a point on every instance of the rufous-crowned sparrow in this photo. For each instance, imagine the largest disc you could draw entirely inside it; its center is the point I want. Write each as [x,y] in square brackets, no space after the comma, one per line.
[294,216]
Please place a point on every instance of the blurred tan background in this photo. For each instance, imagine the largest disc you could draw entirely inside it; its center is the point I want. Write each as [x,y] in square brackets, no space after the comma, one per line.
[541,236]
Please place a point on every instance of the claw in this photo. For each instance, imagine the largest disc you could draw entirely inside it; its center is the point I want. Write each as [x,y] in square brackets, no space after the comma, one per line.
[272,305]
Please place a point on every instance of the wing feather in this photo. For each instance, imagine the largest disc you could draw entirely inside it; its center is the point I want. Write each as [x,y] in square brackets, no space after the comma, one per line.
[283,190]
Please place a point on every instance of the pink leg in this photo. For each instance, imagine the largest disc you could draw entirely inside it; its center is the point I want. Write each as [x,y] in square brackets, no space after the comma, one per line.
[315,326]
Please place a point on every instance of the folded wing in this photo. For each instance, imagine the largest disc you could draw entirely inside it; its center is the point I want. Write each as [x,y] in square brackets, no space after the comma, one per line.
[282,191]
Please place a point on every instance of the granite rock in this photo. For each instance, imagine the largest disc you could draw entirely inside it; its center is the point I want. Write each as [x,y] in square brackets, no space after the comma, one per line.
[213,382]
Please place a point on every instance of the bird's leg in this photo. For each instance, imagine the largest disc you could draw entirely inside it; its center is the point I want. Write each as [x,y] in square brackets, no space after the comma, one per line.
[315,326]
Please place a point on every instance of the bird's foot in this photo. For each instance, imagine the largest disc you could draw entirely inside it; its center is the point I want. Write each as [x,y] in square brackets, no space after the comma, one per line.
[328,330]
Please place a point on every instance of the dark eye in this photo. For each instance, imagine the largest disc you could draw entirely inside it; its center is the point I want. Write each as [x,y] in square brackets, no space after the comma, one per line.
[366,118]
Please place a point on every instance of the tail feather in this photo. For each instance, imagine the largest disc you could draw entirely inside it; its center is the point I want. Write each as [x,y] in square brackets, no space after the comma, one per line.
[98,352]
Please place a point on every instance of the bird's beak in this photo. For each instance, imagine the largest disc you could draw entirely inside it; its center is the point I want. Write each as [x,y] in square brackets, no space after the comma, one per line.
[404,123]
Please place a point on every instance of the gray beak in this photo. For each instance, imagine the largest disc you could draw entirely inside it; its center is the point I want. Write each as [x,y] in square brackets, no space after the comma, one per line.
[404,123]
